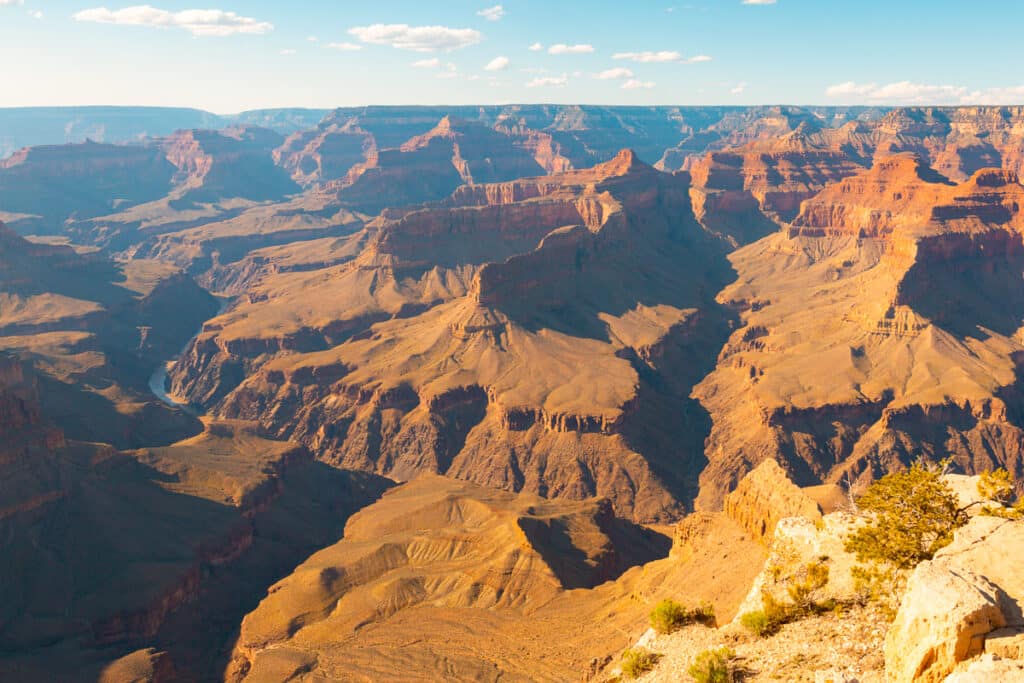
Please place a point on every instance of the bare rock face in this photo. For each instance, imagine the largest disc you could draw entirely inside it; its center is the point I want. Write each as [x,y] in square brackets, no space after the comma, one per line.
[955,601]
[764,497]
[234,162]
[988,669]
[141,666]
[942,620]
[505,336]
[880,276]
[44,186]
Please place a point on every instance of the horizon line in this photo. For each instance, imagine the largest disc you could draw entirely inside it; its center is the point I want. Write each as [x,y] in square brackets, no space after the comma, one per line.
[508,104]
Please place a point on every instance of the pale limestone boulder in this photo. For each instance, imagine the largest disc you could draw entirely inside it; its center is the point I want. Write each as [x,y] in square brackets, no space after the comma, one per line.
[800,541]
[942,620]
[989,669]
[1006,643]
[993,548]
[965,487]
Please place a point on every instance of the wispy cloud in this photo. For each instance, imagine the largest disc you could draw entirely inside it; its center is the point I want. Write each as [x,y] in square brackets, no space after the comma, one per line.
[199,22]
[427,63]
[563,49]
[492,13]
[11,2]
[288,51]
[613,74]
[759,2]
[497,64]
[344,47]
[549,82]
[312,39]
[660,56]
[417,38]
[536,47]
[634,84]
[738,88]
[900,92]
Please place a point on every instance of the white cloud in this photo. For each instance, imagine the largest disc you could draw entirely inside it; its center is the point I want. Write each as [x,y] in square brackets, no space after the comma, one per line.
[497,64]
[344,47]
[288,52]
[417,38]
[549,81]
[36,14]
[427,63]
[738,88]
[908,92]
[613,74]
[312,39]
[849,88]
[759,2]
[900,92]
[492,13]
[536,47]
[633,84]
[660,56]
[11,2]
[1010,95]
[199,22]
[563,49]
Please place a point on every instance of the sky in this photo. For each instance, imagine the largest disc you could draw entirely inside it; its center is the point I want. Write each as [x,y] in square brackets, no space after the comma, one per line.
[227,56]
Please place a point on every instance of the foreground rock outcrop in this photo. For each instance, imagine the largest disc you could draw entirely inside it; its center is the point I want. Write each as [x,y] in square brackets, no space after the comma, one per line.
[971,590]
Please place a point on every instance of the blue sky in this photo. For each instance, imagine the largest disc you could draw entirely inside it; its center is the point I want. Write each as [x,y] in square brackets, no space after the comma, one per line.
[248,54]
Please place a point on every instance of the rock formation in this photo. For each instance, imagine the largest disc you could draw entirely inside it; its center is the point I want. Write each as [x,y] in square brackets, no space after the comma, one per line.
[971,589]
[442,573]
[765,497]
[870,294]
[532,285]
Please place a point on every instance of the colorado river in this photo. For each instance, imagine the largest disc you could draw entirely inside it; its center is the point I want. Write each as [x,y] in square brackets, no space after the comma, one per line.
[158,380]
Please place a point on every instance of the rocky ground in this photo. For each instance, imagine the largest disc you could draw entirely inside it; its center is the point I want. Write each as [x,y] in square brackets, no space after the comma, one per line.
[845,644]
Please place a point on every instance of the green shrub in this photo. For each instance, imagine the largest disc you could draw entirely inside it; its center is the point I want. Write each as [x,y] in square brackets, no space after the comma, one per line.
[881,584]
[996,486]
[713,666]
[705,614]
[777,612]
[912,515]
[638,661]
[757,622]
[668,616]
[804,586]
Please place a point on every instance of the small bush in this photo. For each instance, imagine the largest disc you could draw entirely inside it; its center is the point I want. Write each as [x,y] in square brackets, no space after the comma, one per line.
[778,612]
[757,622]
[705,614]
[881,584]
[713,666]
[804,586]
[996,486]
[638,661]
[668,616]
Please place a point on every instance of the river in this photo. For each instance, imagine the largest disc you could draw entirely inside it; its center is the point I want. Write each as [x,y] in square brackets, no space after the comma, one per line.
[158,380]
